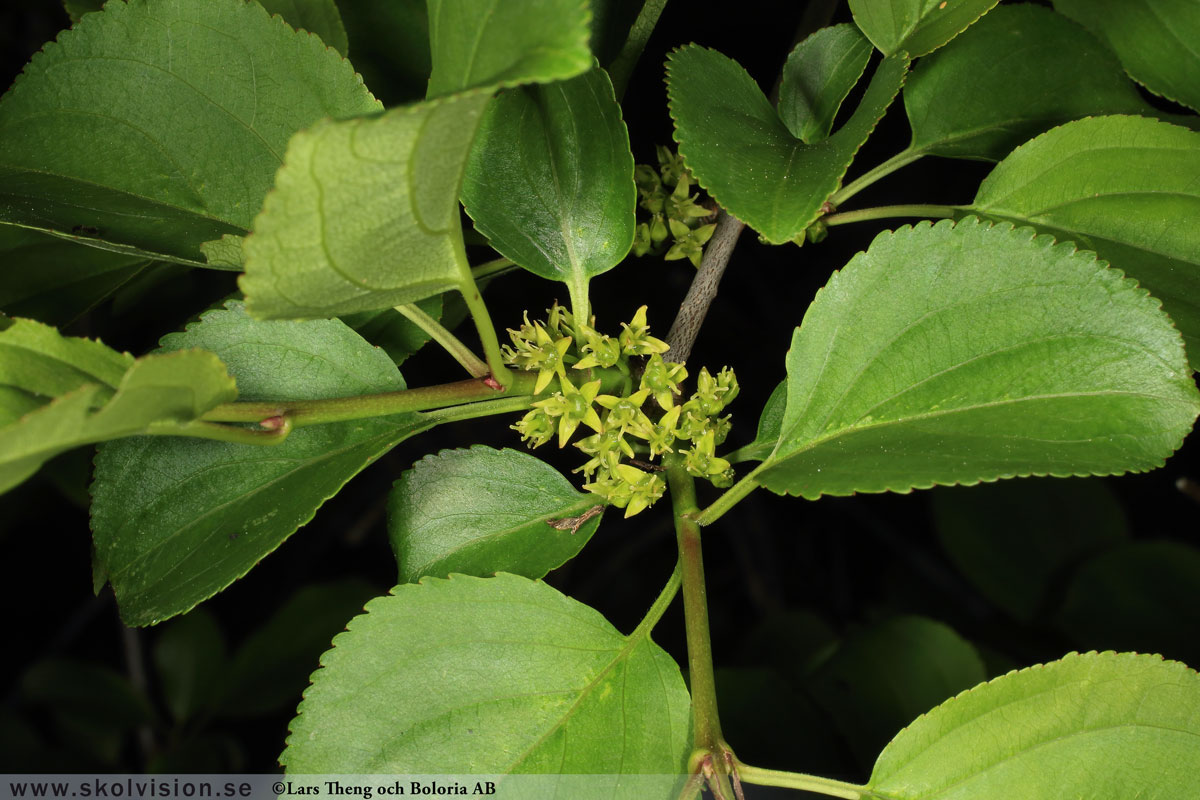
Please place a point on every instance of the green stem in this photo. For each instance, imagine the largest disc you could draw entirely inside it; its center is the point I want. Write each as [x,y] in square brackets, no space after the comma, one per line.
[639,33]
[887,212]
[485,408]
[490,269]
[798,780]
[901,159]
[226,433]
[659,607]
[695,608]
[487,334]
[729,499]
[462,354]
[580,307]
[337,409]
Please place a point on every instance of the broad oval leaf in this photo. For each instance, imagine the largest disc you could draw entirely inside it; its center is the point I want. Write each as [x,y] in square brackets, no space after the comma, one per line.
[315,16]
[916,26]
[970,352]
[175,521]
[158,125]
[1138,596]
[1155,39]
[1096,725]
[1122,186]
[817,76]
[490,675]
[364,214]
[497,43]
[745,157]
[1014,540]
[480,511]
[550,180]
[1016,73]
[59,392]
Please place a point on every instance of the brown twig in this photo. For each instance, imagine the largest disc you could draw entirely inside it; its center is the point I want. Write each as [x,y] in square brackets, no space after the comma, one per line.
[703,290]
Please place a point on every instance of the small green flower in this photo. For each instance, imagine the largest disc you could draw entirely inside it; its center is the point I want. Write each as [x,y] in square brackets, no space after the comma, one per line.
[641,239]
[670,165]
[625,413]
[605,450]
[689,243]
[599,349]
[701,460]
[635,337]
[662,378]
[572,406]
[536,428]
[662,434]
[645,488]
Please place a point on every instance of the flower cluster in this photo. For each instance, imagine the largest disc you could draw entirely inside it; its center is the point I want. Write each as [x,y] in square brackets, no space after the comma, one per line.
[626,431]
[674,213]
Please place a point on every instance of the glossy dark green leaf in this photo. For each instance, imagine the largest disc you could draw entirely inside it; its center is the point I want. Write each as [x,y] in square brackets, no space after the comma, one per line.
[1119,186]
[481,511]
[364,214]
[1014,540]
[883,677]
[1141,596]
[964,353]
[915,26]
[175,521]
[818,75]
[190,656]
[491,675]
[1018,72]
[550,180]
[58,392]
[315,16]
[270,670]
[156,125]
[769,422]
[1155,40]
[744,156]
[1096,725]
[53,280]
[498,43]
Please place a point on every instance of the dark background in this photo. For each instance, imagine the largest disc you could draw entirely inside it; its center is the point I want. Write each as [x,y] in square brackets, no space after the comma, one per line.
[788,579]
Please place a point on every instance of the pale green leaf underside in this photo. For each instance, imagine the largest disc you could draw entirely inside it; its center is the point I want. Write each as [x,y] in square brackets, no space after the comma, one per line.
[915,26]
[818,75]
[1096,725]
[490,675]
[1014,74]
[364,214]
[1125,187]
[89,400]
[550,179]
[962,353]
[1157,40]
[175,521]
[742,153]
[160,123]
[767,435]
[485,44]
[481,511]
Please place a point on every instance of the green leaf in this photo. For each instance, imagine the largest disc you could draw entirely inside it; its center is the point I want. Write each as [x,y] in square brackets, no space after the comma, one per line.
[550,180]
[1139,596]
[744,156]
[495,43]
[818,75]
[315,16]
[52,280]
[94,393]
[1096,725]
[364,214]
[159,125]
[1019,71]
[970,352]
[224,253]
[191,661]
[916,26]
[883,677]
[1155,40]
[270,671]
[490,675]
[1014,540]
[1119,186]
[175,521]
[480,511]
[769,423]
